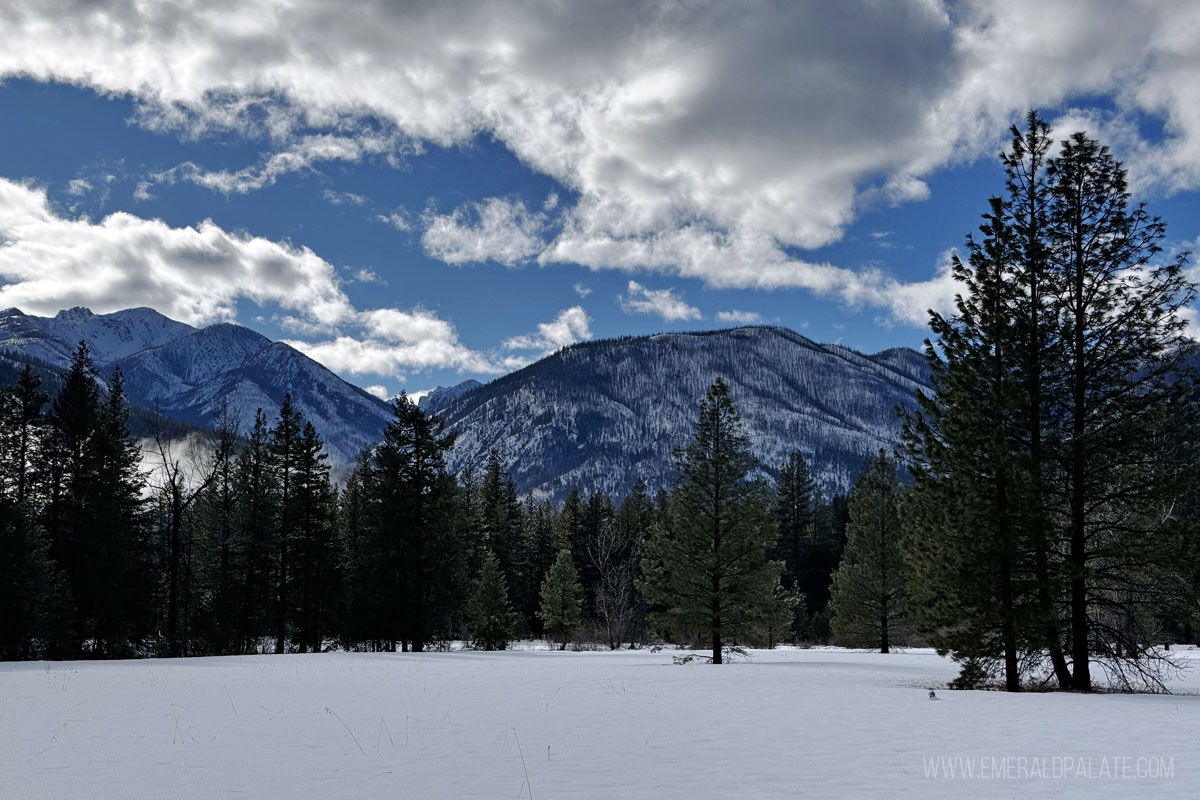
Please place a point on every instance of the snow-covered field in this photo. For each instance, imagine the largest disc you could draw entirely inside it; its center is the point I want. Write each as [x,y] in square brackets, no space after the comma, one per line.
[787,723]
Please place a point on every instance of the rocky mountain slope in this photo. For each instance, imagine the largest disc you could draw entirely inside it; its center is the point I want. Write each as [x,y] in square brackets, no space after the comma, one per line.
[605,414]
[187,373]
[600,414]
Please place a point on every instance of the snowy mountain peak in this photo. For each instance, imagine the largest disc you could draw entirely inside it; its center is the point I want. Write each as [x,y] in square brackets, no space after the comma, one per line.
[442,396]
[76,314]
[191,374]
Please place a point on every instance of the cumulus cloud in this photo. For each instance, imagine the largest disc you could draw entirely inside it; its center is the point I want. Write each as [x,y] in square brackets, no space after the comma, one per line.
[692,138]
[193,274]
[378,391]
[392,341]
[570,326]
[739,317]
[198,274]
[497,229]
[662,302]
[582,289]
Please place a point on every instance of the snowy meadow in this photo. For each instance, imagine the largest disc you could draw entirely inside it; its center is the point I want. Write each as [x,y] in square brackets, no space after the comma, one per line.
[545,724]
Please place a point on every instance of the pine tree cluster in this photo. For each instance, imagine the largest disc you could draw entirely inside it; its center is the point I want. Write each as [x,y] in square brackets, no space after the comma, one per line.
[240,541]
[1052,518]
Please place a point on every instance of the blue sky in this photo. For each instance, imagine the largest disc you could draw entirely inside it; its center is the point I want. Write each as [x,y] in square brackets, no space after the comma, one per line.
[415,195]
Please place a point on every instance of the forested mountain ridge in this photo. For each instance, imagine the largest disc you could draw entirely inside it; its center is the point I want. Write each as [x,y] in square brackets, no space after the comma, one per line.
[600,414]
[605,414]
[187,373]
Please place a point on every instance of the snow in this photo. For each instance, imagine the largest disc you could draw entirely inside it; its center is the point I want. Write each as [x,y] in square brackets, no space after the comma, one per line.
[538,724]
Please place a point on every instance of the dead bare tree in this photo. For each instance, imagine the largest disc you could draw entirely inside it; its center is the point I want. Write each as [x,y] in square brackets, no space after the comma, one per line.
[179,479]
[615,603]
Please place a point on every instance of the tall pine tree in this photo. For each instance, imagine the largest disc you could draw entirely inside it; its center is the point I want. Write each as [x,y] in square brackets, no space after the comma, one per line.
[709,567]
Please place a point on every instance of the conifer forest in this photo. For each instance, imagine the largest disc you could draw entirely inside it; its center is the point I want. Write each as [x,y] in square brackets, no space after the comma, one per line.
[1036,521]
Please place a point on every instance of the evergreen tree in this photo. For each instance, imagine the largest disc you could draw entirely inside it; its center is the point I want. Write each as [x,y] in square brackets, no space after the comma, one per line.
[354,530]
[970,483]
[71,463]
[22,433]
[636,518]
[562,599]
[1038,348]
[569,533]
[29,587]
[1059,429]
[256,504]
[540,529]
[1125,419]
[708,566]
[318,557]
[410,512]
[794,510]
[489,613]
[120,580]
[502,523]
[779,624]
[869,603]
[285,451]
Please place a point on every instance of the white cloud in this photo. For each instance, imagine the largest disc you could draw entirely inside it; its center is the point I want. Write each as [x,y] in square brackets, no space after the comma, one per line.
[570,326]
[193,274]
[299,156]
[142,191]
[343,198]
[365,275]
[78,187]
[398,219]
[417,395]
[497,230]
[378,391]
[583,290]
[663,302]
[693,138]
[739,317]
[198,275]
[391,341]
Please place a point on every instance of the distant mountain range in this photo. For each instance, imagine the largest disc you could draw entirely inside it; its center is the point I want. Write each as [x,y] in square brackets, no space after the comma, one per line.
[600,414]
[186,373]
[604,414]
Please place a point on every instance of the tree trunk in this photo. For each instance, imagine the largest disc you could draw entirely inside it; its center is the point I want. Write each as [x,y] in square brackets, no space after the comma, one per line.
[884,642]
[1008,622]
[1080,654]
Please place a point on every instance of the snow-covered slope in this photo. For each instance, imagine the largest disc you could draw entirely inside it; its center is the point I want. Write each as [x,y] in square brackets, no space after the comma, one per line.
[443,396]
[600,415]
[191,378]
[604,414]
[189,374]
[109,336]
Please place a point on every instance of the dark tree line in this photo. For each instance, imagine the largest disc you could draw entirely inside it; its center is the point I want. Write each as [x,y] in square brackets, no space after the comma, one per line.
[239,541]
